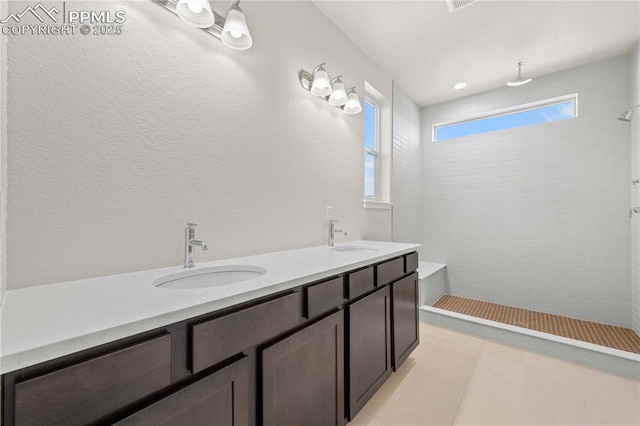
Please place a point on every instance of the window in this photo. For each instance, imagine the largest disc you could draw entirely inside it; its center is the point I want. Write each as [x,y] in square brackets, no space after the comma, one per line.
[556,109]
[371,148]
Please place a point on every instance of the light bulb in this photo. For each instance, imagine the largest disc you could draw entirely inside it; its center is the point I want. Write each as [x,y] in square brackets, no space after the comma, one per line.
[196,13]
[195,6]
[235,33]
[338,96]
[321,85]
[353,104]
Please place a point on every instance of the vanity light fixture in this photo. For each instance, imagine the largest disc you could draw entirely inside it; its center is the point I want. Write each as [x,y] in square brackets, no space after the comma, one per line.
[353,104]
[235,33]
[318,83]
[233,30]
[338,96]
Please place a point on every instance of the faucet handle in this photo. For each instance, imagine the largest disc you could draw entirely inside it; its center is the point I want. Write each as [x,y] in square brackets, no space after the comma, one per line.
[191,225]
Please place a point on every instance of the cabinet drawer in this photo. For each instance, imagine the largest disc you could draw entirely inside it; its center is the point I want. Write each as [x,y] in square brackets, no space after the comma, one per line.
[360,282]
[411,263]
[84,392]
[389,271]
[215,340]
[323,297]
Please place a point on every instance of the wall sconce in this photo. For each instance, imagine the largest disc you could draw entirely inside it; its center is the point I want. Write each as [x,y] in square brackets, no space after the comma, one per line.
[232,30]
[318,83]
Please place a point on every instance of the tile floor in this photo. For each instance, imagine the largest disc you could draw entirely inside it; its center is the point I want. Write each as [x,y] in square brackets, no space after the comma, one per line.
[458,379]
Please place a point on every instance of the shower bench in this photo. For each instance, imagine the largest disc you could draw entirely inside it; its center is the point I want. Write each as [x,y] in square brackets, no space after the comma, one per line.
[433,281]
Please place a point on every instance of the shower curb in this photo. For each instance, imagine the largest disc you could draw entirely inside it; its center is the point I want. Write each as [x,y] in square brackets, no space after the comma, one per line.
[611,360]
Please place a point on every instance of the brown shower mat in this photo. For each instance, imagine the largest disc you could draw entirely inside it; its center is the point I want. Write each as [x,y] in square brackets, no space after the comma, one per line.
[621,338]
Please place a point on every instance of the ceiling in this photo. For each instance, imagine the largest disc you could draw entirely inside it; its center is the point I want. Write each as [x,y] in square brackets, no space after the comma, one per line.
[426,49]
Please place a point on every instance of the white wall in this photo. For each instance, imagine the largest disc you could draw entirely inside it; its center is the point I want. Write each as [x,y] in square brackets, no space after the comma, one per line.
[635,197]
[406,182]
[116,142]
[3,154]
[536,217]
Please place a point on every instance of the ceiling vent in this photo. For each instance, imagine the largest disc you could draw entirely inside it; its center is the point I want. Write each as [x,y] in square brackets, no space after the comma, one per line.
[459,4]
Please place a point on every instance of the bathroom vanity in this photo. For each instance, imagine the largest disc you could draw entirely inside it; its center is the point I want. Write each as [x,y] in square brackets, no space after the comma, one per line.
[310,348]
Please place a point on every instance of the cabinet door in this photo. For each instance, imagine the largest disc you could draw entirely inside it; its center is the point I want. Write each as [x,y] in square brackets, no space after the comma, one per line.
[303,376]
[369,347]
[220,399]
[404,314]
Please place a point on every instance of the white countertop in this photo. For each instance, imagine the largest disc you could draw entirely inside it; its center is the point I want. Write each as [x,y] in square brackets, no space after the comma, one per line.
[42,323]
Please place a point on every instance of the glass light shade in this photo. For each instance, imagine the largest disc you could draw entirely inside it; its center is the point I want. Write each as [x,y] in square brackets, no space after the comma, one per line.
[194,6]
[321,85]
[338,96]
[196,13]
[235,33]
[353,103]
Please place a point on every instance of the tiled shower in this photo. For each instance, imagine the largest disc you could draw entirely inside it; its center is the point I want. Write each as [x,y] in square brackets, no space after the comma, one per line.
[535,217]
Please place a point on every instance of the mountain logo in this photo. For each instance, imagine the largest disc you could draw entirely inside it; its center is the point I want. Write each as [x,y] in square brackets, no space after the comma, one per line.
[34,11]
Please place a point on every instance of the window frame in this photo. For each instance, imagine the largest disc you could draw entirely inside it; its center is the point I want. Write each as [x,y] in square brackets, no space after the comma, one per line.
[374,152]
[507,111]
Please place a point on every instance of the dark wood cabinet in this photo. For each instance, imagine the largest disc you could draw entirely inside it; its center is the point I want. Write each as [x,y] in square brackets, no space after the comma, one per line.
[389,271]
[411,262]
[404,313]
[360,282]
[220,399]
[310,355]
[369,339]
[323,297]
[303,376]
[242,329]
[87,391]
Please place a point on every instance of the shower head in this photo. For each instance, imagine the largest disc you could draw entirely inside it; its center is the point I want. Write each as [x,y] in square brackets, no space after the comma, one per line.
[626,116]
[520,80]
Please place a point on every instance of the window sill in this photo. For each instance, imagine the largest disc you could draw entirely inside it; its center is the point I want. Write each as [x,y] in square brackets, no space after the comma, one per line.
[377,205]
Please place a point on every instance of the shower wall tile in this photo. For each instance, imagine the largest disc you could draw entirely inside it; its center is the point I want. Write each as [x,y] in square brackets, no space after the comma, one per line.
[406,183]
[536,217]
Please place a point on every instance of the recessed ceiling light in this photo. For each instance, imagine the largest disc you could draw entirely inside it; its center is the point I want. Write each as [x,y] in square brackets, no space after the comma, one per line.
[460,85]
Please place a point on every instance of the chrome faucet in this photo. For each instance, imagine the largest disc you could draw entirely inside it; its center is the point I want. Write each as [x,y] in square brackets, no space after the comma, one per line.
[189,243]
[332,231]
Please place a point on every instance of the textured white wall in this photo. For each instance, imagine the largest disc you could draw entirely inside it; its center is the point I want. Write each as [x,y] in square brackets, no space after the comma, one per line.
[536,217]
[3,154]
[116,142]
[635,193]
[407,168]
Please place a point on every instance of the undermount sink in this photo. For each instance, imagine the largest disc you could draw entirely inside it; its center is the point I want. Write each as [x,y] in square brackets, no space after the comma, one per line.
[355,248]
[217,276]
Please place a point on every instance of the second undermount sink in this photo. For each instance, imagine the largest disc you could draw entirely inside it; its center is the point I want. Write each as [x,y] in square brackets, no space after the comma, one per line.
[216,276]
[355,248]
